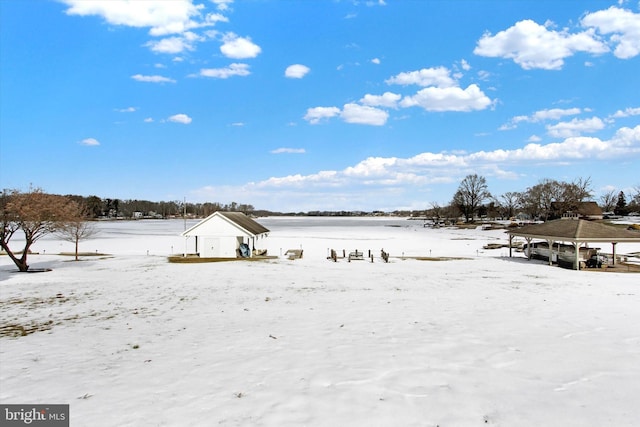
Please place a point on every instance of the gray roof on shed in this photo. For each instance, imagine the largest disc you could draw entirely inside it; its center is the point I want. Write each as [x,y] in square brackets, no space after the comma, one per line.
[245,222]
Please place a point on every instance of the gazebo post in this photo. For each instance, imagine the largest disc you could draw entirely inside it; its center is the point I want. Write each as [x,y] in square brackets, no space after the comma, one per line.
[577,243]
[613,244]
[510,242]
[550,244]
[528,239]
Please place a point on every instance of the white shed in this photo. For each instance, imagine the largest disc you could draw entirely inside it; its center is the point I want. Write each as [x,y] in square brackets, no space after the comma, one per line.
[226,235]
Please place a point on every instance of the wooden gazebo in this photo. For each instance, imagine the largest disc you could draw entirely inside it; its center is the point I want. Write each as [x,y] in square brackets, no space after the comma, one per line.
[576,232]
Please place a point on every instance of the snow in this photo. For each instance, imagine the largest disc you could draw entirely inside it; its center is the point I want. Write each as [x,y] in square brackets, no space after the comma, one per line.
[129,339]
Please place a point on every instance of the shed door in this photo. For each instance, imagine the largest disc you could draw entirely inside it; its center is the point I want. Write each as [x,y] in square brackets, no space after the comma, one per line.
[211,247]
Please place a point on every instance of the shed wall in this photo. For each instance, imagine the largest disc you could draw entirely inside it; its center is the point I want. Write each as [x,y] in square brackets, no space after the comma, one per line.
[219,247]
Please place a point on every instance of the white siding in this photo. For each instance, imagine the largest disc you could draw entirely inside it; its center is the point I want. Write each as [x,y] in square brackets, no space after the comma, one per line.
[219,247]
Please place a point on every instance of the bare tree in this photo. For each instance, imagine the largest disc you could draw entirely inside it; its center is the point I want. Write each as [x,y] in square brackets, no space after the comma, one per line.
[636,197]
[537,200]
[436,210]
[608,200]
[510,202]
[572,194]
[35,213]
[472,192]
[76,225]
[578,191]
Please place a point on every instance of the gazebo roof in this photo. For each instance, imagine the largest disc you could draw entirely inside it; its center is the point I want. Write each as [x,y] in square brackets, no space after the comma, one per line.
[571,230]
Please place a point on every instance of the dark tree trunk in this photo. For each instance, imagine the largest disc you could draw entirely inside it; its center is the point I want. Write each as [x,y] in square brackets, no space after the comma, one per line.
[21,262]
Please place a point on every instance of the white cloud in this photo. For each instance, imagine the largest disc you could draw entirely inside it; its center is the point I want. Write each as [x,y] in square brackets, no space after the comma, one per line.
[436,167]
[148,120]
[387,99]
[239,47]
[626,113]
[284,150]
[540,116]
[222,5]
[89,142]
[350,113]
[126,110]
[465,65]
[441,91]
[180,118]
[372,166]
[484,75]
[296,71]
[162,17]
[375,61]
[177,18]
[575,127]
[224,73]
[172,44]
[364,115]
[439,77]
[448,99]
[553,114]
[152,79]
[430,99]
[212,18]
[624,26]
[316,114]
[532,45]
[319,179]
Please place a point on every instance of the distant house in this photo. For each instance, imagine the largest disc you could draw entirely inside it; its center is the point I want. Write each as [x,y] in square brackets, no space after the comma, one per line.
[226,235]
[582,210]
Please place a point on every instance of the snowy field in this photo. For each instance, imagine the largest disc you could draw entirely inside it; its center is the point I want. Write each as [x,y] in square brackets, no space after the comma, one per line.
[129,339]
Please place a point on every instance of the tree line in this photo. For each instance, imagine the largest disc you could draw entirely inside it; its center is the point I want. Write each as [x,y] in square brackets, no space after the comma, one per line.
[109,208]
[548,199]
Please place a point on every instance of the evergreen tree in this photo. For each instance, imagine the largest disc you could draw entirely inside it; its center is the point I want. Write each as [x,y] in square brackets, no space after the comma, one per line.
[621,206]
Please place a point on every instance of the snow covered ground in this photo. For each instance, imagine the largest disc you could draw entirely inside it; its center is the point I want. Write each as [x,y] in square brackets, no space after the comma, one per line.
[132,340]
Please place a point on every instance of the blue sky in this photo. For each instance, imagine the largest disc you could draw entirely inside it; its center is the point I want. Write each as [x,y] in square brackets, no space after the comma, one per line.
[317,105]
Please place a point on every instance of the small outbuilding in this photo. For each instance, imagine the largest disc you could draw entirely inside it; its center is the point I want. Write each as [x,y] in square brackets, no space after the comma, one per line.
[580,210]
[227,235]
[577,232]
